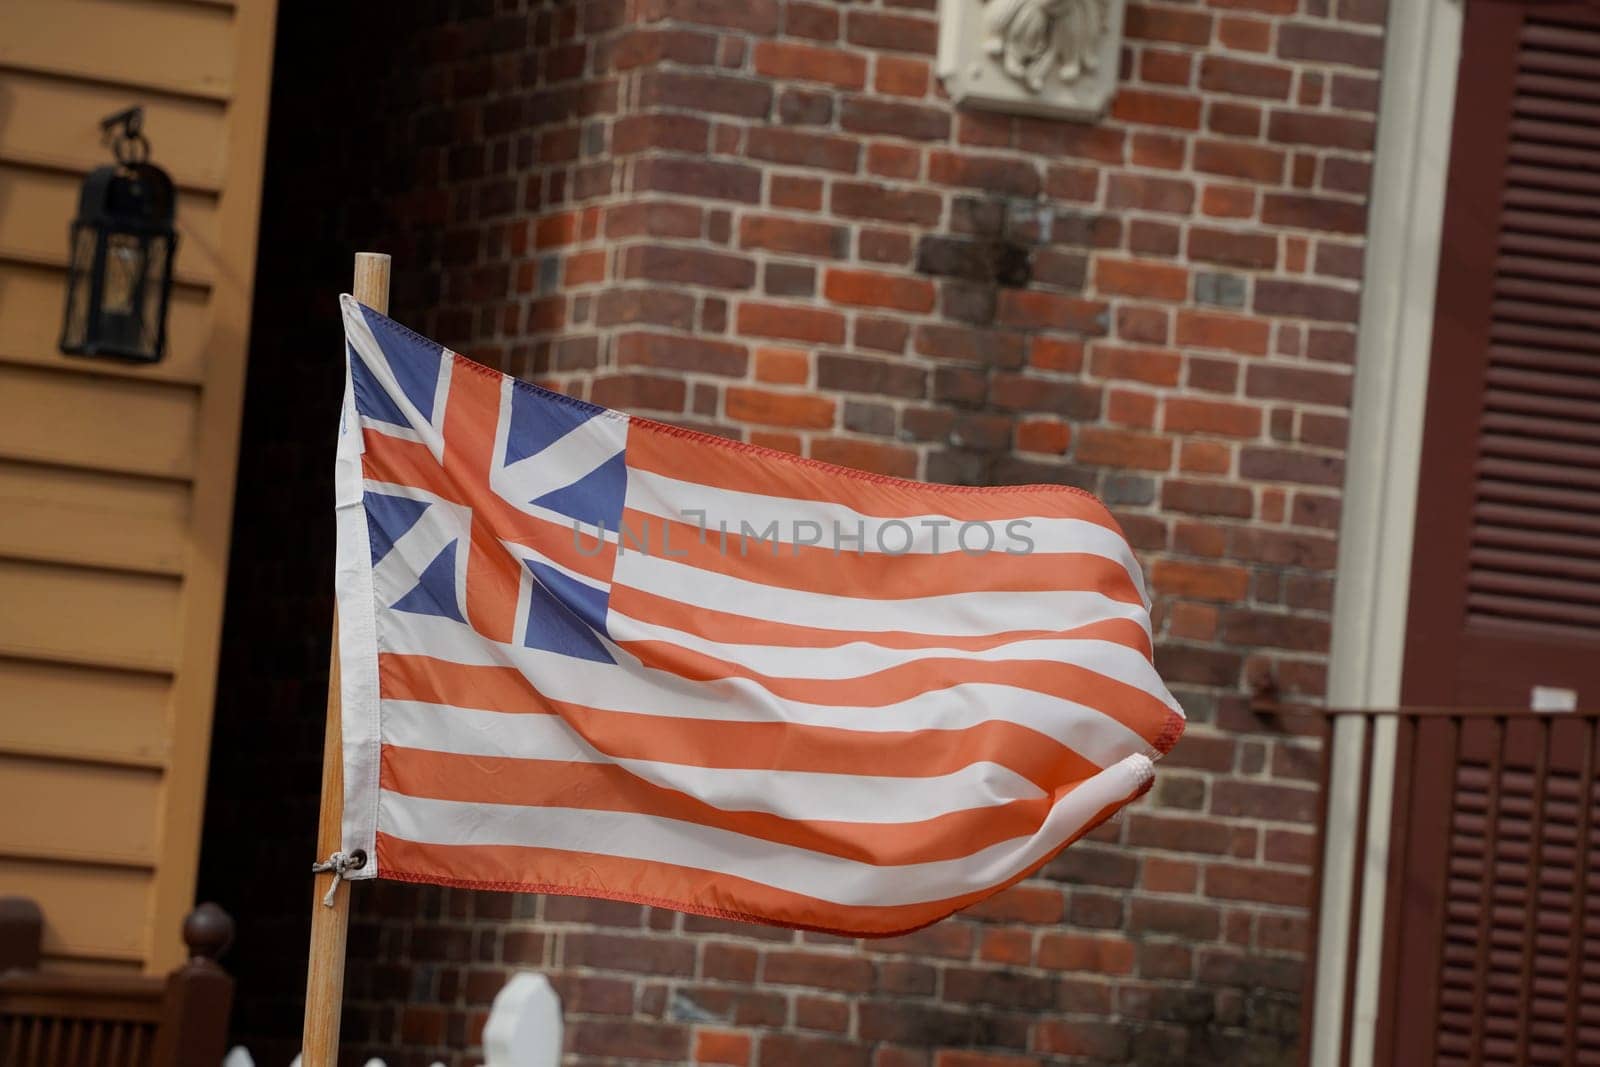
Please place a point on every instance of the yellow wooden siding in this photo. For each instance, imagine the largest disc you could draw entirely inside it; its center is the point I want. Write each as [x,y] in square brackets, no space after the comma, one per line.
[116,479]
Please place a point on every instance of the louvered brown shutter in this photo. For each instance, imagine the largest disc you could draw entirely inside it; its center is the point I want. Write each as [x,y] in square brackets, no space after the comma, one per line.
[1506,575]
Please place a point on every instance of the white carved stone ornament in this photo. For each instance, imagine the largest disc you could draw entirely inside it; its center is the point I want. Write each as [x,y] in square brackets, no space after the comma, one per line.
[1039,57]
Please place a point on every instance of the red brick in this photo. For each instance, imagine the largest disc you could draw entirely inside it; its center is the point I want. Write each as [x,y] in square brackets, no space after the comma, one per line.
[1149,325]
[783,366]
[1100,1042]
[1016,392]
[1221,74]
[1158,150]
[793,235]
[893,160]
[867,200]
[1306,301]
[901,77]
[961,1058]
[1313,213]
[790,323]
[779,409]
[803,62]
[1205,457]
[1208,498]
[781,442]
[892,460]
[851,974]
[892,32]
[752,16]
[1264,800]
[722,1047]
[1168,68]
[688,266]
[1191,415]
[1322,130]
[1035,310]
[1077,952]
[1125,277]
[1309,384]
[619,952]
[991,173]
[1155,366]
[1120,448]
[1038,904]
[1012,945]
[705,93]
[1056,353]
[583,268]
[1200,580]
[817,22]
[798,148]
[1127,408]
[874,289]
[1325,45]
[632,391]
[1260,884]
[1245,34]
[675,132]
[1153,108]
[1239,161]
[1228,201]
[1152,23]
[1255,251]
[787,1050]
[1162,875]
[1183,833]
[681,353]
[895,118]
[801,194]
[698,177]
[1232,333]
[1194,921]
[1170,195]
[1233,118]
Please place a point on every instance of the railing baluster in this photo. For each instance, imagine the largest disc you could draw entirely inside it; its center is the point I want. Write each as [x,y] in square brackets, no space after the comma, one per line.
[1486,891]
[1580,894]
[1530,910]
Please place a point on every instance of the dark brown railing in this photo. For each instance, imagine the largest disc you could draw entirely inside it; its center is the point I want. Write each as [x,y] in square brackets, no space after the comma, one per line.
[1491,923]
[72,1020]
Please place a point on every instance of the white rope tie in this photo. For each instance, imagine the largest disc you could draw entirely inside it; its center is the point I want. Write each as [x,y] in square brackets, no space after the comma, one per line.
[341,865]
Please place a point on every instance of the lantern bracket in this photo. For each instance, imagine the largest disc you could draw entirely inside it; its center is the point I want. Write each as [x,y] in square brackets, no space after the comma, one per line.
[124,132]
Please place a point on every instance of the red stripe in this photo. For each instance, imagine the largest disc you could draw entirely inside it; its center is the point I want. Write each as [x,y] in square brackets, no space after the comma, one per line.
[1128,704]
[876,574]
[779,746]
[691,457]
[727,627]
[608,787]
[516,868]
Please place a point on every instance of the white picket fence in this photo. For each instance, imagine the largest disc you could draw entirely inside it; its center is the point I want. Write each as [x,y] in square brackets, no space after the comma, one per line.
[524,1028]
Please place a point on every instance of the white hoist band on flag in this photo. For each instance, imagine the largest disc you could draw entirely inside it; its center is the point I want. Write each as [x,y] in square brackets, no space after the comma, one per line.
[590,653]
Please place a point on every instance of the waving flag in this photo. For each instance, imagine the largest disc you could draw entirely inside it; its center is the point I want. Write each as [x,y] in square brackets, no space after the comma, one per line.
[590,653]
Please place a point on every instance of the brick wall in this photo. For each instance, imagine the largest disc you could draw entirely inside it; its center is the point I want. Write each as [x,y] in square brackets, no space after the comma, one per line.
[762,218]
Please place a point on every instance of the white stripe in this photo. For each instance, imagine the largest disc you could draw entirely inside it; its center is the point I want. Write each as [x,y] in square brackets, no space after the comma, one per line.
[565,460]
[977,614]
[630,688]
[804,795]
[681,501]
[840,881]
[857,658]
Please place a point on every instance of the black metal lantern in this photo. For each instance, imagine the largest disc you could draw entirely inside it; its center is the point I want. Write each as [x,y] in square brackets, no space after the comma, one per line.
[120,275]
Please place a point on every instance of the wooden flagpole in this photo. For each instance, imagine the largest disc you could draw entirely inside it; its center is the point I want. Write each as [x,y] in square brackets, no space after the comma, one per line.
[325,968]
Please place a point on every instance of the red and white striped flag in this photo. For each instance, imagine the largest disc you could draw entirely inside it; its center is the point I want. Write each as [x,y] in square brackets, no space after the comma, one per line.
[590,653]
